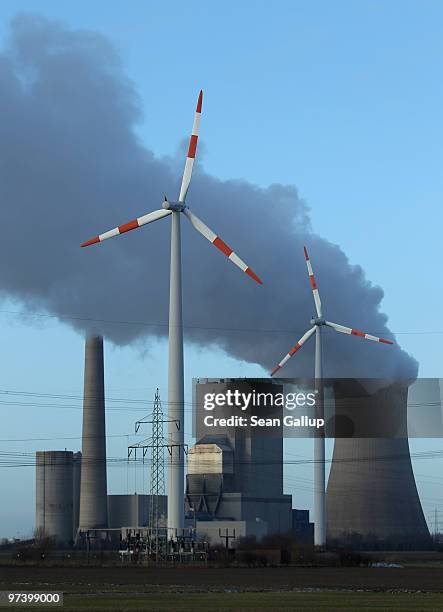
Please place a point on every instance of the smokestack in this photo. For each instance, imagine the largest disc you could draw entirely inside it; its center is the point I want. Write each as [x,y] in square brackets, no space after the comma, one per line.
[93,487]
[372,496]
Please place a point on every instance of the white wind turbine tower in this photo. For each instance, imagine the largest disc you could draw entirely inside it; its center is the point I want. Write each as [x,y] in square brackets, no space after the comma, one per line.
[175,365]
[319,441]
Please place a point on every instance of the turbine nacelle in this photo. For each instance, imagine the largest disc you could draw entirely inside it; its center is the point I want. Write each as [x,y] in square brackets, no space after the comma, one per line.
[173,206]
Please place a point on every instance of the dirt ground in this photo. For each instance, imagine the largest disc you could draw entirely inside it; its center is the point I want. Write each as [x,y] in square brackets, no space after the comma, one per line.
[198,579]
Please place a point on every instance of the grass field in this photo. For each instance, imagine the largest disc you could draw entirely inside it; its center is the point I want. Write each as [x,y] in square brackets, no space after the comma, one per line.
[300,602]
[287,588]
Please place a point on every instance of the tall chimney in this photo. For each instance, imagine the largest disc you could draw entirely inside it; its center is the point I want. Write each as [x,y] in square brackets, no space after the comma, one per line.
[93,487]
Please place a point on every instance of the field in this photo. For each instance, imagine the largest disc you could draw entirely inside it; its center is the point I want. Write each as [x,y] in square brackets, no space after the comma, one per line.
[292,588]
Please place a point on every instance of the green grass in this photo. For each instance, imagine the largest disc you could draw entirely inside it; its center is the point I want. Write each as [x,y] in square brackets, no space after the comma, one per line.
[301,601]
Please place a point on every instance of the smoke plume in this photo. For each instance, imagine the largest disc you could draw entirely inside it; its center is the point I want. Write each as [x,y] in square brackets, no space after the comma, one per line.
[72,166]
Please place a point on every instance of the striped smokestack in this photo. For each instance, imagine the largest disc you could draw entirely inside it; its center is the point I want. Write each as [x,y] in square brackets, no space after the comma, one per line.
[93,487]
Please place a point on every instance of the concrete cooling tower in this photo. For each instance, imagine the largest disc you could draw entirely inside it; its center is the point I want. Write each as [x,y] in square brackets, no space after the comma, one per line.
[372,497]
[54,495]
[93,488]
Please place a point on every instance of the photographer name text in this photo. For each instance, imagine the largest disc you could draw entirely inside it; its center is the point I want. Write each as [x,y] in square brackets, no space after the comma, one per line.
[255,421]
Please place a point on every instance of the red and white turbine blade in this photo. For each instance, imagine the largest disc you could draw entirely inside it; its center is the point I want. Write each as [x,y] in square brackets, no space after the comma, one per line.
[134,224]
[293,350]
[312,280]
[356,332]
[191,151]
[222,246]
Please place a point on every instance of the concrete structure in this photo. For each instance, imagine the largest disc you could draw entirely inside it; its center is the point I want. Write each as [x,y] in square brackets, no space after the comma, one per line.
[236,473]
[54,495]
[133,510]
[93,486]
[302,529]
[371,493]
[76,477]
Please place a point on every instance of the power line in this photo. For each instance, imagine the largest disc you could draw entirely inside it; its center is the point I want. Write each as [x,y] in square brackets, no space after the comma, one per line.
[64,438]
[186,326]
[80,398]
[9,456]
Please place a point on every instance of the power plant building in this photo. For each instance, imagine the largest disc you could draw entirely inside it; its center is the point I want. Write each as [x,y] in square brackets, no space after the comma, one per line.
[133,510]
[234,473]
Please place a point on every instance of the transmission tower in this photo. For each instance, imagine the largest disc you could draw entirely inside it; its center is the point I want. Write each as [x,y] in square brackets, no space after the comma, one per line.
[158,533]
[157,464]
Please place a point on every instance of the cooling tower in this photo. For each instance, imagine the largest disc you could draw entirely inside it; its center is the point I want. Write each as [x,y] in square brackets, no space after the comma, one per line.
[93,488]
[54,502]
[372,498]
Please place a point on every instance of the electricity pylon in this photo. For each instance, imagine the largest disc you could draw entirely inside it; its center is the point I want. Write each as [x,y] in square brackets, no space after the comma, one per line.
[158,532]
[157,464]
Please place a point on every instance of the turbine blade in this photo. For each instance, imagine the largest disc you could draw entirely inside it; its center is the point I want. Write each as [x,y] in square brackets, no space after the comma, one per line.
[314,287]
[191,151]
[134,224]
[356,332]
[218,242]
[293,350]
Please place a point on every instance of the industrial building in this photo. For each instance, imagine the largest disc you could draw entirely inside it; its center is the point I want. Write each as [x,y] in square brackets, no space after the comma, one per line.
[57,495]
[71,488]
[302,528]
[133,510]
[235,474]
[234,482]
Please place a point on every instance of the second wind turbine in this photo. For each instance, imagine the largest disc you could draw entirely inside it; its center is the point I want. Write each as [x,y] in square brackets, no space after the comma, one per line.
[319,441]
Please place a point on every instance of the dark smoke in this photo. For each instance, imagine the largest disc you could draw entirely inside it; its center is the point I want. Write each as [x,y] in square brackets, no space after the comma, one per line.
[71,167]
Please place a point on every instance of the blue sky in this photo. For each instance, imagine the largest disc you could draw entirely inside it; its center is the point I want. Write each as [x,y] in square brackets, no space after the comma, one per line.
[341,99]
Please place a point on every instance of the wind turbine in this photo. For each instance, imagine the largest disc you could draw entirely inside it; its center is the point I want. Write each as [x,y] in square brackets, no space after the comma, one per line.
[175,362]
[319,441]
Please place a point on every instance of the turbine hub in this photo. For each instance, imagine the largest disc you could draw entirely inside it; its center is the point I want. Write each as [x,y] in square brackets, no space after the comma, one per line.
[174,206]
[318,321]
